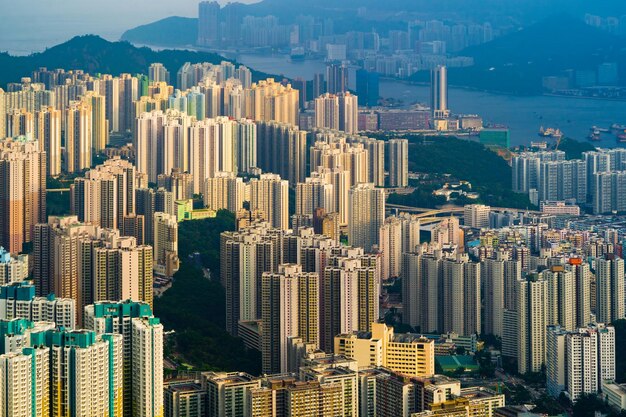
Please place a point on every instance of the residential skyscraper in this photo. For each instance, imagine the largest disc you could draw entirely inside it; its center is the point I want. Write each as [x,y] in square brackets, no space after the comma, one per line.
[610,289]
[398,163]
[78,137]
[48,133]
[22,191]
[165,244]
[269,194]
[366,214]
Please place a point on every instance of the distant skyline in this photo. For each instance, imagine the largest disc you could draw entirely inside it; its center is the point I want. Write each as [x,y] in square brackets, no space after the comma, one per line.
[33,25]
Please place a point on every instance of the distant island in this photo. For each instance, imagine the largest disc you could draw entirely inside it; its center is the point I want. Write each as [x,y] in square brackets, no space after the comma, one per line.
[95,55]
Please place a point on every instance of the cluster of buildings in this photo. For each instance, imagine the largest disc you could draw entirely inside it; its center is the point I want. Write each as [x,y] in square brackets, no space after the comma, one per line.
[112,364]
[422,45]
[595,181]
[330,385]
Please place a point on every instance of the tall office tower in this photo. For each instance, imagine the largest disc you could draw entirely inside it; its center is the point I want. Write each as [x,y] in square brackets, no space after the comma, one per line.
[367,87]
[336,78]
[398,163]
[532,306]
[165,244]
[22,191]
[562,297]
[268,100]
[526,168]
[110,89]
[157,73]
[313,194]
[406,354]
[476,216]
[48,133]
[289,308]
[447,232]
[229,393]
[563,180]
[180,184]
[439,92]
[17,300]
[85,371]
[270,194]
[78,137]
[609,289]
[224,191]
[118,318]
[282,149]
[106,194]
[100,125]
[147,367]
[208,23]
[366,214]
[609,187]
[350,291]
[13,268]
[19,123]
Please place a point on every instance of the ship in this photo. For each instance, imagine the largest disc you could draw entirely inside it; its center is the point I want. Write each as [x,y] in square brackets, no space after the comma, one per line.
[617,128]
[621,138]
[594,135]
[550,133]
[601,129]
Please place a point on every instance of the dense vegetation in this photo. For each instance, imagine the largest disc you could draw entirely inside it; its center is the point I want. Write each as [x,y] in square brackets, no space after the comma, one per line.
[574,149]
[489,174]
[95,55]
[194,306]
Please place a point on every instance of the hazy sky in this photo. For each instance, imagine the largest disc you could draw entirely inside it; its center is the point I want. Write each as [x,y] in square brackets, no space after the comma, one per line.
[32,25]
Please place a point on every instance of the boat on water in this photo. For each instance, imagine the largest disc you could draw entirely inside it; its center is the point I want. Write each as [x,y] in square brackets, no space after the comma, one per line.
[621,138]
[550,133]
[601,129]
[618,128]
[594,135]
